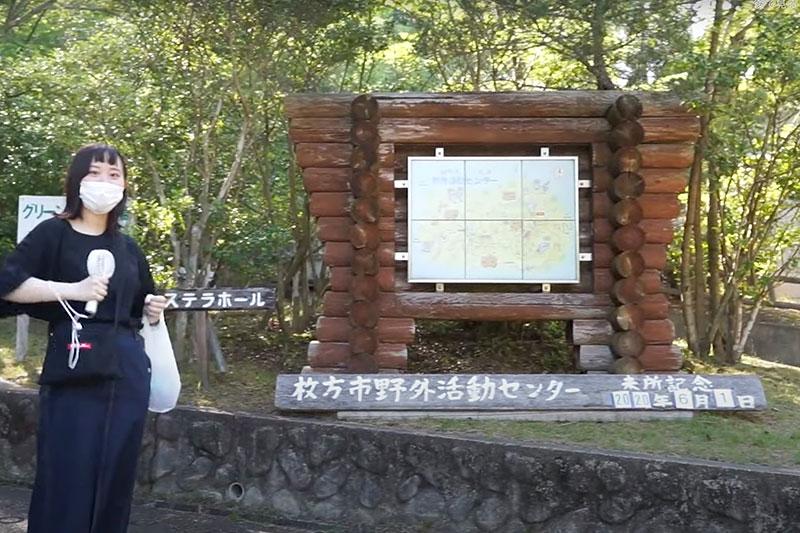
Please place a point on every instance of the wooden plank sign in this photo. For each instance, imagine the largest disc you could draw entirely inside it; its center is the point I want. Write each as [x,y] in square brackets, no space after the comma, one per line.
[503,392]
[252,299]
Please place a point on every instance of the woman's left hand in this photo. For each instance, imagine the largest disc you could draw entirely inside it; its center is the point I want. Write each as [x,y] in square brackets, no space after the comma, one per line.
[153,307]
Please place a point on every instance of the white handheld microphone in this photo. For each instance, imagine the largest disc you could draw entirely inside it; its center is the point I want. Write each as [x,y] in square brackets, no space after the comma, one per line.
[100,263]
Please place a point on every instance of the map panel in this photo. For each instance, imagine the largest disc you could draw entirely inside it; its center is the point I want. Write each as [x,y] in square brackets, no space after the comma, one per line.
[494,190]
[548,190]
[549,250]
[493,219]
[494,249]
[437,250]
[438,192]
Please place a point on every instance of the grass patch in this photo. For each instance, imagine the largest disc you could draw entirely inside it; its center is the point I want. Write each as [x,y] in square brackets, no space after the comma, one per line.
[771,437]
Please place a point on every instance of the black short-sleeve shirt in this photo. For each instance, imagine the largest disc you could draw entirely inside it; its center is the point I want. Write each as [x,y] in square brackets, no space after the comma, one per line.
[55,251]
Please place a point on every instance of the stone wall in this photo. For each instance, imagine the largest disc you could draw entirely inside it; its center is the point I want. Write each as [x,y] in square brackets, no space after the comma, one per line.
[366,479]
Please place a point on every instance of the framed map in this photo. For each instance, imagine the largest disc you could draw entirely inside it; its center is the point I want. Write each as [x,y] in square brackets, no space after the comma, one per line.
[493,219]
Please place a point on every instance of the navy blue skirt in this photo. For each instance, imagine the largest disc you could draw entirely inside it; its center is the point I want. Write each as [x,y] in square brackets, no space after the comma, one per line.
[88,446]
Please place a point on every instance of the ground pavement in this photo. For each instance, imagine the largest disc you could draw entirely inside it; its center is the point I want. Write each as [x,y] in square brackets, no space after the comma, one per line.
[145,518]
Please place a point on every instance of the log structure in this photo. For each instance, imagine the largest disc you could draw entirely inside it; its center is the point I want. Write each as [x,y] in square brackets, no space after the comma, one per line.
[635,148]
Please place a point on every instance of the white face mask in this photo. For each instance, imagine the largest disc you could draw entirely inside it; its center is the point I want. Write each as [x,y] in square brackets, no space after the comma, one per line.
[100,197]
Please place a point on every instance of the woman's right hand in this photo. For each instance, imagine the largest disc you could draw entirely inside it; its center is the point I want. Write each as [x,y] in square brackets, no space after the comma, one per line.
[92,288]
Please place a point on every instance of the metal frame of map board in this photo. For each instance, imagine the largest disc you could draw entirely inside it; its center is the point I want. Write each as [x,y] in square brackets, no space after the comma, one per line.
[576,221]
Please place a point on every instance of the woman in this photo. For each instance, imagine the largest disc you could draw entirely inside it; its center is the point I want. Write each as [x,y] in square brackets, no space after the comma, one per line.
[89,433]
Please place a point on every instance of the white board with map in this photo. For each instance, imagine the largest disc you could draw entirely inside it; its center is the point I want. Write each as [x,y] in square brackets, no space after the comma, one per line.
[493,219]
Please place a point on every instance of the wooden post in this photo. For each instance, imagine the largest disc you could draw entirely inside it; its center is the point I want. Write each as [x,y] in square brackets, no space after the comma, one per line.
[201,347]
[626,211]
[23,325]
[365,239]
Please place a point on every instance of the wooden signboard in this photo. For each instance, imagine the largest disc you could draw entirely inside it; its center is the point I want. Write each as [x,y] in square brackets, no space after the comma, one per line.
[499,392]
[632,153]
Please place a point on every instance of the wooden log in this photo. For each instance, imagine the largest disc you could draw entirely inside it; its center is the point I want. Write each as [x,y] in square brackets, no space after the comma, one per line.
[628,238]
[390,330]
[629,264]
[592,331]
[363,287]
[341,254]
[320,130]
[386,156]
[364,183]
[341,370]
[326,179]
[626,107]
[495,306]
[661,358]
[603,280]
[363,314]
[364,158]
[626,159]
[626,185]
[365,107]
[654,255]
[655,306]
[536,130]
[365,236]
[627,343]
[478,306]
[365,134]
[626,133]
[337,354]
[661,155]
[342,279]
[594,357]
[658,331]
[653,205]
[627,291]
[627,365]
[656,231]
[626,212]
[338,204]
[366,210]
[362,363]
[627,317]
[365,262]
[323,154]
[363,340]
[597,331]
[656,180]
[576,103]
[337,229]
[338,179]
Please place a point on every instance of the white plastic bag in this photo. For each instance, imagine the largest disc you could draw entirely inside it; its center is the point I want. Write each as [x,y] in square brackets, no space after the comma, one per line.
[165,381]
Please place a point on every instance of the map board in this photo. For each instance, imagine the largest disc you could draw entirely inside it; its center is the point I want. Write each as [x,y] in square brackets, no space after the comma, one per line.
[493,219]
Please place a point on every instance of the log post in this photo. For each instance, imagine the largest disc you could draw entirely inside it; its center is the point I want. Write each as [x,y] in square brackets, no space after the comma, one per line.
[625,212]
[365,212]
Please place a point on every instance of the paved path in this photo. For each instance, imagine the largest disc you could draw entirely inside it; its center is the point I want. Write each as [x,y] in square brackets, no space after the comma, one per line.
[145,518]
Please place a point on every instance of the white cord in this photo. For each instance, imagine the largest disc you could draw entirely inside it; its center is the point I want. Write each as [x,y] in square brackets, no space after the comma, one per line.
[74,316]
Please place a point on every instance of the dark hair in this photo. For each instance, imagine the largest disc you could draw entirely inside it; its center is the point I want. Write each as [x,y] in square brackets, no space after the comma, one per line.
[79,168]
